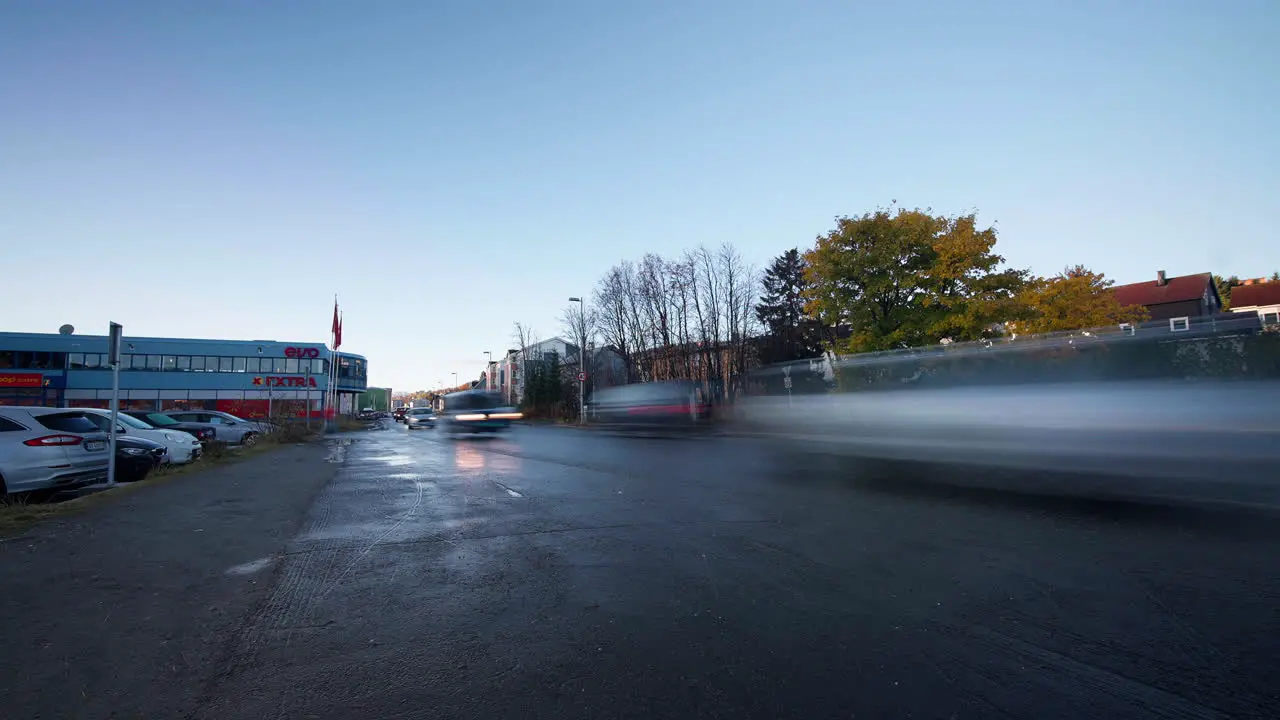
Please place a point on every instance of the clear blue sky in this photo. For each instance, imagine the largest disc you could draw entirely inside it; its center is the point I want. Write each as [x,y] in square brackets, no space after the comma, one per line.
[221,169]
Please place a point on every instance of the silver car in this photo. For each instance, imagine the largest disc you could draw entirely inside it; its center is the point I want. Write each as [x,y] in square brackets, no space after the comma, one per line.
[415,418]
[227,427]
[49,449]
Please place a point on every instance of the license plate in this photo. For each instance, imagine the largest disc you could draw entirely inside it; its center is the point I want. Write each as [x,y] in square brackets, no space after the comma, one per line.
[94,445]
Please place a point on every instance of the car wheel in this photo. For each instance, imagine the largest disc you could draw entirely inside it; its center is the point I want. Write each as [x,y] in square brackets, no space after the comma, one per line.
[249,440]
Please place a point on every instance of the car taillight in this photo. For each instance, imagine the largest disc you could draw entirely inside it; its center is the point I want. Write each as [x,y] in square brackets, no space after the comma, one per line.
[51,440]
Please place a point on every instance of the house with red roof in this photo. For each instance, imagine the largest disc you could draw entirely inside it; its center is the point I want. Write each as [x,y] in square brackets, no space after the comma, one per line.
[1169,298]
[1258,296]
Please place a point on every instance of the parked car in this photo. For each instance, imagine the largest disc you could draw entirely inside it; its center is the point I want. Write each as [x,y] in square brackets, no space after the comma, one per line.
[476,411]
[420,418]
[136,457]
[181,447]
[43,449]
[227,427]
[204,432]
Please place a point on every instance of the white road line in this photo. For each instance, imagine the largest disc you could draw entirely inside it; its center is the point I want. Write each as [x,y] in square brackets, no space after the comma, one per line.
[510,492]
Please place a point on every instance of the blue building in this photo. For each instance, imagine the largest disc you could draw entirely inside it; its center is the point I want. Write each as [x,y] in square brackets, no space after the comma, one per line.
[241,377]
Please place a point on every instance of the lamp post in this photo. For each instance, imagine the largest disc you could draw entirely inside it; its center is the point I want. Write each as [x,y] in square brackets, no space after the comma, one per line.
[582,358]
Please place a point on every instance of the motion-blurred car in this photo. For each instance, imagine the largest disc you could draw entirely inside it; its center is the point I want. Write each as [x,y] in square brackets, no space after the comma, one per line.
[203,432]
[43,449]
[675,404]
[420,418]
[476,411]
[399,413]
[181,447]
[136,457]
[1203,440]
[227,427]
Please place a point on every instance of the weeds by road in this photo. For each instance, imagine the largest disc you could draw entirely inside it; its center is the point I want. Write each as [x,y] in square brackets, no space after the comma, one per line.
[20,512]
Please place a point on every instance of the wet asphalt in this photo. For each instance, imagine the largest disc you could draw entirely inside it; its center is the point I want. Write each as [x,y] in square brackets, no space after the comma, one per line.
[563,573]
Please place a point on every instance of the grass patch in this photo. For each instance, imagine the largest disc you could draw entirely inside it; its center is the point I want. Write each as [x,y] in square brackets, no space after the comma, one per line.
[19,513]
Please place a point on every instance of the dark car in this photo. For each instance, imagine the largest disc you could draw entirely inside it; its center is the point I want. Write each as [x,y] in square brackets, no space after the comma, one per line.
[476,411]
[398,413]
[674,404]
[204,432]
[136,457]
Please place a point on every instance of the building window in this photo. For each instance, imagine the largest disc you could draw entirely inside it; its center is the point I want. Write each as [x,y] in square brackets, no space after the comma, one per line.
[184,363]
[226,364]
[291,366]
[197,363]
[210,364]
[251,364]
[138,362]
[1271,318]
[277,366]
[76,361]
[94,360]
[1180,324]
[153,362]
[239,365]
[170,362]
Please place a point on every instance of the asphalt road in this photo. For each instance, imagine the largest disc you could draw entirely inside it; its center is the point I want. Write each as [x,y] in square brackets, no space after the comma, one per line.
[558,573]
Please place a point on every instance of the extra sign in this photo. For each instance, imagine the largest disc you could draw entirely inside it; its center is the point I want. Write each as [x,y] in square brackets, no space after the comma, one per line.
[285,381]
[301,352]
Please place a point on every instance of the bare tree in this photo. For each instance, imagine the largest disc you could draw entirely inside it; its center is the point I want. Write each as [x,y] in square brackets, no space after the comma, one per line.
[611,303]
[526,338]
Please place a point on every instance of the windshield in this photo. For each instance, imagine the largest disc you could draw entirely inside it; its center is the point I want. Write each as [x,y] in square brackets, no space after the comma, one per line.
[160,420]
[133,422]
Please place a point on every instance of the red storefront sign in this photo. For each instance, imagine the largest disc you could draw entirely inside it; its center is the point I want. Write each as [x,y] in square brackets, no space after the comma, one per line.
[285,381]
[301,352]
[21,380]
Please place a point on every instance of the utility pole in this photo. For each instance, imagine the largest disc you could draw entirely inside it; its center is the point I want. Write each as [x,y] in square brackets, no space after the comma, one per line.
[581,327]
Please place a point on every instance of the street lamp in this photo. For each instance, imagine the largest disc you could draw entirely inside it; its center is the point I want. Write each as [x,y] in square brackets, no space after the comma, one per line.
[582,359]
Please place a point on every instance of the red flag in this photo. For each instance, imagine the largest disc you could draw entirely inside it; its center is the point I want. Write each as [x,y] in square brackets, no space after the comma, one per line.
[336,329]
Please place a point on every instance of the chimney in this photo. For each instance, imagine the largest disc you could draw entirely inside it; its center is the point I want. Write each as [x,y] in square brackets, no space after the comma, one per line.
[1161,281]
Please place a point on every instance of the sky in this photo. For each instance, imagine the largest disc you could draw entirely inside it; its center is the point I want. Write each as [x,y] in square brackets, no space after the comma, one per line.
[223,169]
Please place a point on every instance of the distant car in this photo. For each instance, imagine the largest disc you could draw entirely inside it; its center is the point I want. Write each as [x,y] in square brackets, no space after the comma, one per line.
[227,427]
[398,413]
[181,447]
[136,457]
[420,418]
[668,404]
[476,411]
[45,449]
[203,432]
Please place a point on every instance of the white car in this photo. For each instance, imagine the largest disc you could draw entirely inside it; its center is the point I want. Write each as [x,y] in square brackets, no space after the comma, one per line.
[182,446]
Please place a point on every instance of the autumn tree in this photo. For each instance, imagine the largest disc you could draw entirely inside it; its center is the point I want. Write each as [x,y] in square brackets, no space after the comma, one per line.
[792,334]
[1075,299]
[900,278]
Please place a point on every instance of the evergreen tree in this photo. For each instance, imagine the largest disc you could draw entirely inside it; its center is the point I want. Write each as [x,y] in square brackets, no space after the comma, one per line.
[793,334]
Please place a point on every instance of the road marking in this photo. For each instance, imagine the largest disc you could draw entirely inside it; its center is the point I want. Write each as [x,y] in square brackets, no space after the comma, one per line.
[250,567]
[510,492]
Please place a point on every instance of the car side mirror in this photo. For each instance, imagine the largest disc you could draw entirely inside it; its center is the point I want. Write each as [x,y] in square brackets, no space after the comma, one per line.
[120,430]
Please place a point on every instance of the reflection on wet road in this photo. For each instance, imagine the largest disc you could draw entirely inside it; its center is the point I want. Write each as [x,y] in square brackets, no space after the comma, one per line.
[556,573]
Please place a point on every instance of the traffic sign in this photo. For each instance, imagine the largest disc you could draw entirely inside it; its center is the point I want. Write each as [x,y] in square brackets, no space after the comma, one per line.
[582,377]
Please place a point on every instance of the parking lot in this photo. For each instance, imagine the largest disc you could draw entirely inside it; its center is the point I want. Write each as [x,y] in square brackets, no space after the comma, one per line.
[562,573]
